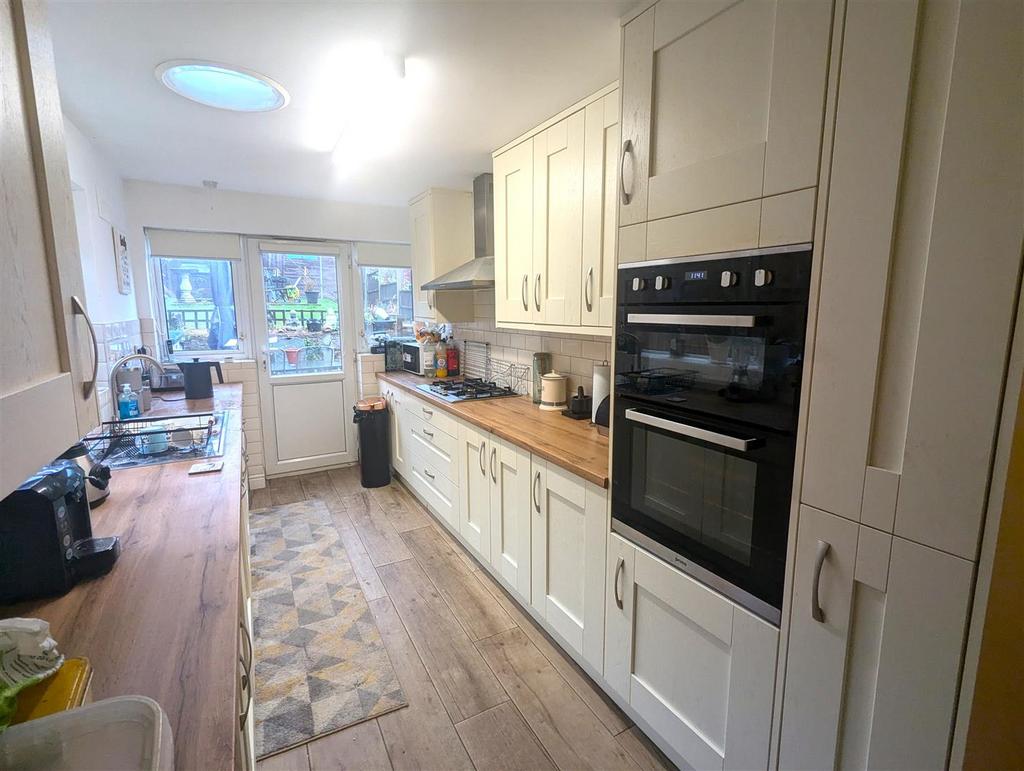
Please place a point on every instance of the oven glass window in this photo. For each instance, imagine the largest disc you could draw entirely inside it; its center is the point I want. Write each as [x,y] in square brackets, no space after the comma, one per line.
[699,492]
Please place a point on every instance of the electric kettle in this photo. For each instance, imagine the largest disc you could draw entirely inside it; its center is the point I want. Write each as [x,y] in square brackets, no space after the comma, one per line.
[198,379]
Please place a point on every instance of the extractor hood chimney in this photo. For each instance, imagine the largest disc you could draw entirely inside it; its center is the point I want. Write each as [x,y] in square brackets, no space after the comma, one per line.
[478,273]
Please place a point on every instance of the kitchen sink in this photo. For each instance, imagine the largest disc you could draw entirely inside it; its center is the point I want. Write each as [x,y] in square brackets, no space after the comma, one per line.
[152,441]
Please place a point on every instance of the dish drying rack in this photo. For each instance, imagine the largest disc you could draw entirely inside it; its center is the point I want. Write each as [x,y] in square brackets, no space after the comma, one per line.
[478,362]
[188,436]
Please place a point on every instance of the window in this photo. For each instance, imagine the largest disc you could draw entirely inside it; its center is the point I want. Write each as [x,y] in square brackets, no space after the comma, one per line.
[198,301]
[387,302]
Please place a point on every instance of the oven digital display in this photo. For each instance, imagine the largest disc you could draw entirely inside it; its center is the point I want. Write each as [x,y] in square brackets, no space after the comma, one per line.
[696,275]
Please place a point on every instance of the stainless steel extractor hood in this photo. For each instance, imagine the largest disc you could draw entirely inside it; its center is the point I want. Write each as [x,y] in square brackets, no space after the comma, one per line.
[478,273]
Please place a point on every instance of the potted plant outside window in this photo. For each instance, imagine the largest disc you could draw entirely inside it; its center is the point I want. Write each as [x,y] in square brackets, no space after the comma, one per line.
[310,287]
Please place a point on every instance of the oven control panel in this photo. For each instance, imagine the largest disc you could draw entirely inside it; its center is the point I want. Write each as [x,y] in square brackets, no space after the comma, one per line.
[762,276]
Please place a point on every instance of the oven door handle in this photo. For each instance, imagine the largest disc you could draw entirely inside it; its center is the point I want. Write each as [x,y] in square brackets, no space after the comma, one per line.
[692,320]
[683,429]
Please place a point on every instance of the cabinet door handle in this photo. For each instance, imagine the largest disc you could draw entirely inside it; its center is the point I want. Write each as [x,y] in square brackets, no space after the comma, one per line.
[618,572]
[536,292]
[428,433]
[536,491]
[494,455]
[247,687]
[819,561]
[430,299]
[588,289]
[526,290]
[79,310]
[428,474]
[481,459]
[248,640]
[627,149]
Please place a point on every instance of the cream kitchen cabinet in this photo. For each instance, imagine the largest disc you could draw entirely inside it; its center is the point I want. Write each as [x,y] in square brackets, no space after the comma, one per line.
[555,221]
[475,509]
[875,643]
[48,377]
[699,669]
[245,739]
[441,223]
[395,399]
[722,105]
[569,533]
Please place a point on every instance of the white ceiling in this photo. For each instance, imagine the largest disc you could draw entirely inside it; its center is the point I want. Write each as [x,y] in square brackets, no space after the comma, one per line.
[480,73]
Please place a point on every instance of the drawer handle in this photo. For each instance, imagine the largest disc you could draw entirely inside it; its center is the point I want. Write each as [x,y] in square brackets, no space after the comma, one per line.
[494,455]
[627,149]
[428,433]
[819,561]
[588,289]
[428,474]
[427,411]
[536,491]
[618,572]
[526,289]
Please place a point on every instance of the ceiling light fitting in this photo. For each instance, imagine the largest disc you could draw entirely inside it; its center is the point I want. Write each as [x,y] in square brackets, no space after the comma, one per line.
[223,86]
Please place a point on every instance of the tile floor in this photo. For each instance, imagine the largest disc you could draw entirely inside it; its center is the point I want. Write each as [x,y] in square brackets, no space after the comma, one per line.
[487,688]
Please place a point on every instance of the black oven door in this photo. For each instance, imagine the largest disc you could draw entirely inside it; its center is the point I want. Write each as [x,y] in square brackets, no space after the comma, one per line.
[710,496]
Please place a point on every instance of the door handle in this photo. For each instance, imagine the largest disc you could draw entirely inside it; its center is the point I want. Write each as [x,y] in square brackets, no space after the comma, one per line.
[536,292]
[692,319]
[683,429]
[494,455]
[483,455]
[588,288]
[526,290]
[627,149]
[618,572]
[247,687]
[79,310]
[536,491]
[819,561]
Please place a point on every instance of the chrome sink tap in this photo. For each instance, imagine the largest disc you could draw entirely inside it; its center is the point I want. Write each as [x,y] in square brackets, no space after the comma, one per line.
[120,363]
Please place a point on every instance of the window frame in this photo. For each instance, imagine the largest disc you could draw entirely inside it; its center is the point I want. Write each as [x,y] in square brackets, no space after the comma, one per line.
[239,291]
[360,292]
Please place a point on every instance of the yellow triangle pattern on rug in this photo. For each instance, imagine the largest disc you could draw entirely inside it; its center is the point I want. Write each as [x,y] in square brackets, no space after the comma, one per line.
[321,664]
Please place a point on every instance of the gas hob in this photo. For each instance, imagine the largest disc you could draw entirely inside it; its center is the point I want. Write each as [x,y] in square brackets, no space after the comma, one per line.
[465,389]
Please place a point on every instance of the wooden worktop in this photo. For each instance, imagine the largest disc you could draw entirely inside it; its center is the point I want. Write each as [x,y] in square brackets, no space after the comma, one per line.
[574,445]
[164,622]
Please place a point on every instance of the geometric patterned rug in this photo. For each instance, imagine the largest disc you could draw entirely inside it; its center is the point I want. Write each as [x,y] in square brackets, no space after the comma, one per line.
[321,664]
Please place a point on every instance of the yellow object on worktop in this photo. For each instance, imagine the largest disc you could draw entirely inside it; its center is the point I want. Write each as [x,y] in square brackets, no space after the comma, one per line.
[66,689]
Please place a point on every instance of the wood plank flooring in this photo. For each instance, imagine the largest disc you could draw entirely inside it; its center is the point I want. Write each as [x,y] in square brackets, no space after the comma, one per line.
[487,688]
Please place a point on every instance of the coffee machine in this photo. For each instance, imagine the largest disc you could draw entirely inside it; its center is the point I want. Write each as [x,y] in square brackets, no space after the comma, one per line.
[46,540]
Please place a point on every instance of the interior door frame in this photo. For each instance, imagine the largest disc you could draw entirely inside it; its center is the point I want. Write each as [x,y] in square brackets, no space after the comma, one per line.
[343,251]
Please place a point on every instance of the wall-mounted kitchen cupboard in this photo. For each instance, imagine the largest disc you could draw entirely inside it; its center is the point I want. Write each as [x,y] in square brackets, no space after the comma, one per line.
[441,224]
[697,668]
[874,648]
[722,113]
[554,203]
[48,348]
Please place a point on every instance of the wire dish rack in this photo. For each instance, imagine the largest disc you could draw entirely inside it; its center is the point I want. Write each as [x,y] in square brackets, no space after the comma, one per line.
[148,441]
[477,362]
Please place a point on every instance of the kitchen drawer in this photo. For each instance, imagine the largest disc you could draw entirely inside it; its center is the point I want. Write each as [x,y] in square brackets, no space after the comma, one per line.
[440,492]
[433,445]
[430,414]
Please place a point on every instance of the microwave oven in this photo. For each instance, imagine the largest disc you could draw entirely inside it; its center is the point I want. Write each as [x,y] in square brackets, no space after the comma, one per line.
[416,357]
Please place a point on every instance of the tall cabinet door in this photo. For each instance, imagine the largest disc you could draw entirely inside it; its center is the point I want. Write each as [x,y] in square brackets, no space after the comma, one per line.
[558,222]
[421,223]
[513,233]
[475,489]
[709,90]
[47,347]
[569,537]
[600,180]
[509,467]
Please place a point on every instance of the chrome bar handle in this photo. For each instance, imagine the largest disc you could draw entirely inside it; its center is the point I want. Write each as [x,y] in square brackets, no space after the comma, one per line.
[618,572]
[692,319]
[494,456]
[482,454]
[588,289]
[428,433]
[526,291]
[536,292]
[247,687]
[79,310]
[428,474]
[819,561]
[536,491]
[683,429]
[627,149]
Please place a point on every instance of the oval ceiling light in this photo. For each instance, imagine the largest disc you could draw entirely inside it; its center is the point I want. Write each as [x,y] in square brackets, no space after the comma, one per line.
[222,85]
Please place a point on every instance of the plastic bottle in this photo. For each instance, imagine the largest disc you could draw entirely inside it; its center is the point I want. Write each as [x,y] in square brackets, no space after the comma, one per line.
[440,359]
[127,403]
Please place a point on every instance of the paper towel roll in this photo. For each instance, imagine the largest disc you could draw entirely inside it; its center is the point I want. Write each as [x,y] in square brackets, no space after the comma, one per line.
[602,386]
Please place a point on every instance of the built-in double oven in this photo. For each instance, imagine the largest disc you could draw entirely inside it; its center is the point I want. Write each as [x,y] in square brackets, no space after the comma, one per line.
[708,362]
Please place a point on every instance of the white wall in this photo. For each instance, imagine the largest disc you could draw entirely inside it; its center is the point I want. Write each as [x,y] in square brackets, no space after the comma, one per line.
[176,207]
[99,204]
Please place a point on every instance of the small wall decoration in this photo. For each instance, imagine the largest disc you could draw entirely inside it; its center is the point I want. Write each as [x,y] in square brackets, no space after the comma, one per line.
[121,262]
